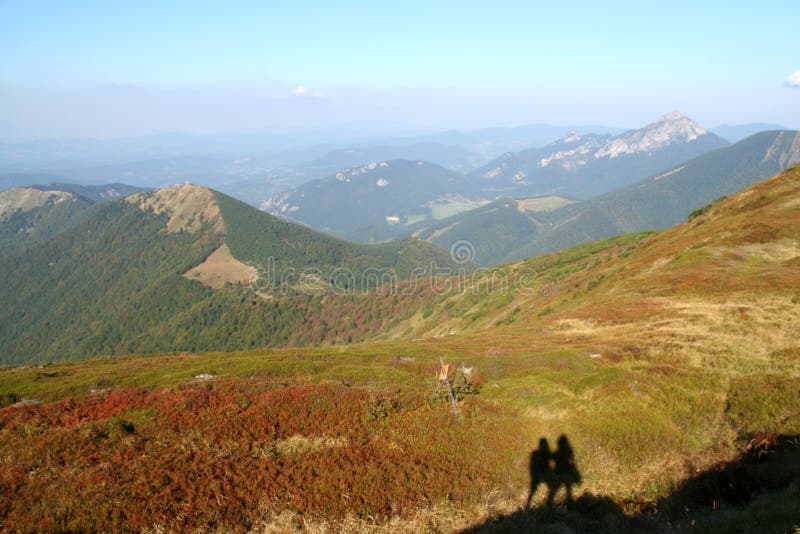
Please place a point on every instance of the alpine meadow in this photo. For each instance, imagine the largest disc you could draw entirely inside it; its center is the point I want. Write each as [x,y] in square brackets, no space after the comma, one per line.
[369,267]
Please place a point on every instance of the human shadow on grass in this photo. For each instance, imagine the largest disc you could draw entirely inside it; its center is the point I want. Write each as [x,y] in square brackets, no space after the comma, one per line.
[553,470]
[764,479]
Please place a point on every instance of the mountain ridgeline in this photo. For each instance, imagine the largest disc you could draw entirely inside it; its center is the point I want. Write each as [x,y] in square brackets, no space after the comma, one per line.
[188,268]
[668,198]
[504,232]
[584,166]
[382,200]
[378,196]
[174,270]
[29,215]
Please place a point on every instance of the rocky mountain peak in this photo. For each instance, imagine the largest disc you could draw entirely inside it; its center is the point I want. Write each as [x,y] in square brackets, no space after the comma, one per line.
[671,128]
[672,116]
[571,137]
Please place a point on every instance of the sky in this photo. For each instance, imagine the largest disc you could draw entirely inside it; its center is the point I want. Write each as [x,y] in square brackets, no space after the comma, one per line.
[110,69]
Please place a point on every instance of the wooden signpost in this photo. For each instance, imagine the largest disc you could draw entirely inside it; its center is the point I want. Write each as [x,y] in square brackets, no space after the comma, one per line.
[443,378]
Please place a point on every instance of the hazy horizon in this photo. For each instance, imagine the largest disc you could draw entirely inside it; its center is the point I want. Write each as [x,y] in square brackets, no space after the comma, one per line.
[93,70]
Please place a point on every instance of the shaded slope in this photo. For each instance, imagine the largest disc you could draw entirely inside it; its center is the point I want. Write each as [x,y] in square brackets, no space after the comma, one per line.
[254,237]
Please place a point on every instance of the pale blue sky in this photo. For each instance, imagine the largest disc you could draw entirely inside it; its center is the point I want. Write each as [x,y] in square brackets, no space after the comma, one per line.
[115,68]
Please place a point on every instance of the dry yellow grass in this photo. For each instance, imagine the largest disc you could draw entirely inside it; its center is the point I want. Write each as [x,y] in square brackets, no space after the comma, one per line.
[188,206]
[26,199]
[221,268]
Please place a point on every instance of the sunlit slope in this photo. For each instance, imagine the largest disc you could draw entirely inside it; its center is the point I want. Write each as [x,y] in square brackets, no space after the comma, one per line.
[658,355]
[665,199]
[501,233]
[738,256]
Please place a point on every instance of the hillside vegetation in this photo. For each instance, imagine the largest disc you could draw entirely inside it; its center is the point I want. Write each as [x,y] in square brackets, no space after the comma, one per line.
[116,282]
[31,215]
[500,234]
[664,358]
[495,229]
[666,199]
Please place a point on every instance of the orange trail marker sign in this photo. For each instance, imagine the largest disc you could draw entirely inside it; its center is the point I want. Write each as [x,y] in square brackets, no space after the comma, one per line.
[445,370]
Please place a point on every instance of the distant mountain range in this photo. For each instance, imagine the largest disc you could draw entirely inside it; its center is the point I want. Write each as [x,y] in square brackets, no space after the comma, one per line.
[504,230]
[489,143]
[585,166]
[252,167]
[96,193]
[380,197]
[387,199]
[449,156]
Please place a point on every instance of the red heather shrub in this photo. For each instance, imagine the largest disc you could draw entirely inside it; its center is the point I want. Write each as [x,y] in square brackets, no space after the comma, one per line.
[208,455]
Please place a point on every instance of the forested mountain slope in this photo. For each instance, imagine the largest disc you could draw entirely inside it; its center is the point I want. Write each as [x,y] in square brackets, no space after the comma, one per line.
[668,198]
[503,231]
[172,270]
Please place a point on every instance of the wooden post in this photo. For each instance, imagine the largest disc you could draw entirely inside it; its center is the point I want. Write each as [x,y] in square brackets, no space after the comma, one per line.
[443,377]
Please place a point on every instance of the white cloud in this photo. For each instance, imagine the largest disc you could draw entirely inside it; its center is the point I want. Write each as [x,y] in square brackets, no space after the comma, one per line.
[794,79]
[302,90]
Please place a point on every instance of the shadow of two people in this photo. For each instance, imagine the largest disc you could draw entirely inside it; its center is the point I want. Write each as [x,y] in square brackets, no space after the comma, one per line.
[732,496]
[553,469]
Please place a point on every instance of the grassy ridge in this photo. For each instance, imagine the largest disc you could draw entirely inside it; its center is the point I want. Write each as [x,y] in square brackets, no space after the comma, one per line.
[24,229]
